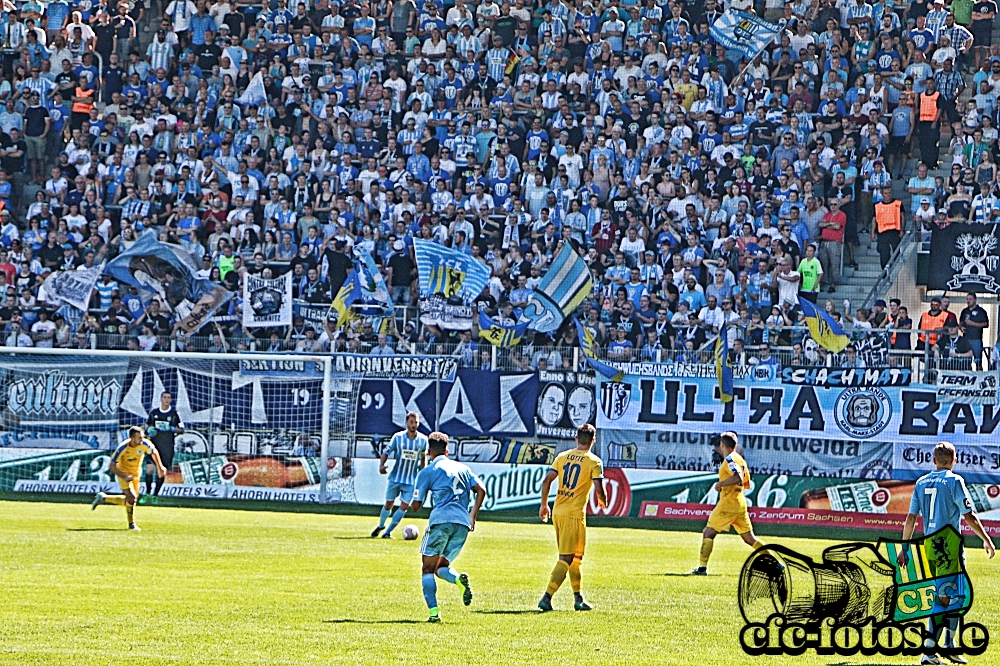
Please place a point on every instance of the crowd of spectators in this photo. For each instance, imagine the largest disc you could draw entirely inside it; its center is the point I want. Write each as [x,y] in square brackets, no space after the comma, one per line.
[703,190]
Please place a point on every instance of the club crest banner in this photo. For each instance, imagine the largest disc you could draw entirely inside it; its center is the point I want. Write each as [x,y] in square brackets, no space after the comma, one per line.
[965,257]
[267,302]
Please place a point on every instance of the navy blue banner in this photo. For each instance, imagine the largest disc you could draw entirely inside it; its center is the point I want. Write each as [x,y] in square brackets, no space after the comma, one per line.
[476,403]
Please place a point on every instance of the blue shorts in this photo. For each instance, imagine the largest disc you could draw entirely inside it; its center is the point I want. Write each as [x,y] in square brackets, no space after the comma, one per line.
[404,491]
[444,540]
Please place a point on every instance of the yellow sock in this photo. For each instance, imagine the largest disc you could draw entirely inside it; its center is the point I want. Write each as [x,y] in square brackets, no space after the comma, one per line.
[118,500]
[557,577]
[757,545]
[129,508]
[574,576]
[706,551]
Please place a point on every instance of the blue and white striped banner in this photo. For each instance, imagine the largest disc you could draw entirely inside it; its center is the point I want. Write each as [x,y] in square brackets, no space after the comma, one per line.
[448,272]
[747,33]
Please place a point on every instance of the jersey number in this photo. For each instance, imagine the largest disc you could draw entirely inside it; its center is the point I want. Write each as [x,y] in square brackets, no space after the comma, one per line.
[932,492]
[571,476]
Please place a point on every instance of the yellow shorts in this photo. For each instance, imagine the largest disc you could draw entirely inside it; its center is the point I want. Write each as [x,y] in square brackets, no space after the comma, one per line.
[133,484]
[722,519]
[571,535]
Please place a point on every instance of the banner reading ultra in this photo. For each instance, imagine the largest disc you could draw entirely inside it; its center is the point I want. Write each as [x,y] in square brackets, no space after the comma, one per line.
[770,415]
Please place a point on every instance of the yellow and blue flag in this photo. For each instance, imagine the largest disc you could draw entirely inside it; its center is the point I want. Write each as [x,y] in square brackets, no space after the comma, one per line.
[500,335]
[824,330]
[349,294]
[723,366]
[589,348]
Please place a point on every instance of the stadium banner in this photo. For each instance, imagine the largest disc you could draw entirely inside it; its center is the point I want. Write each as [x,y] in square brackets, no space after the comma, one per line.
[967,387]
[475,403]
[797,517]
[774,416]
[72,287]
[845,377]
[267,302]
[566,401]
[169,272]
[437,311]
[965,257]
[314,315]
[70,403]
[799,456]
[358,365]
[976,462]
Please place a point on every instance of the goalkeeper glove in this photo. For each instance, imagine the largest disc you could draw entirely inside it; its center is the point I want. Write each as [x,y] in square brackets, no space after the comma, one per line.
[152,432]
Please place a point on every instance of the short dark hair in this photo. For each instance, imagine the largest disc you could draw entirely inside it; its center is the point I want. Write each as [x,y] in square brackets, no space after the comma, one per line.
[135,429]
[728,439]
[585,434]
[437,442]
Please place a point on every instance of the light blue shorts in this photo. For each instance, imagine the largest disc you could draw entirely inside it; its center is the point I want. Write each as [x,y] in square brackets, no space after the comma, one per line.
[444,540]
[404,491]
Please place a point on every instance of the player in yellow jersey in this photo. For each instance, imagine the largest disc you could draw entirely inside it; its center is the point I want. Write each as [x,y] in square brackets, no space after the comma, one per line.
[731,511]
[577,471]
[125,465]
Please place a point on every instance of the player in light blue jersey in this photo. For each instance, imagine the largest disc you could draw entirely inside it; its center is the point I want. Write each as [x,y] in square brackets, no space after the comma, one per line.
[408,449]
[942,499]
[451,520]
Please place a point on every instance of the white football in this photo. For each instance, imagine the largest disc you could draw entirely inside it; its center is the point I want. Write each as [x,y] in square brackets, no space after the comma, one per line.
[411,532]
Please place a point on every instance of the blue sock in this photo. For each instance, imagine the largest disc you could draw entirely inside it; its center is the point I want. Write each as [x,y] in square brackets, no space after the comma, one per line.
[448,574]
[430,590]
[396,517]
[382,516]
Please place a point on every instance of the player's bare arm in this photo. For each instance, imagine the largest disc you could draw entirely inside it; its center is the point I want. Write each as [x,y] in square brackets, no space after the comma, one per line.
[602,496]
[972,520]
[480,498]
[543,511]
[160,468]
[383,459]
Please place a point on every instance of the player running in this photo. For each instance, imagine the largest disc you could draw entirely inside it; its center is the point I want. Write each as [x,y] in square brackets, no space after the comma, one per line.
[450,522]
[731,511]
[164,424]
[125,465]
[577,470]
[942,499]
[408,450]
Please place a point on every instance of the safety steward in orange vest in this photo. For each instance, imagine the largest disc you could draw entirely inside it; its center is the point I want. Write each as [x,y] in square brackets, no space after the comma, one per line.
[932,323]
[888,227]
[83,101]
[929,124]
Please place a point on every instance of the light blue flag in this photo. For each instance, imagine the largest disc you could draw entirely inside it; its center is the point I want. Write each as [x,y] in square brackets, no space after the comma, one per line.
[565,286]
[169,272]
[447,272]
[373,299]
[255,94]
[747,33]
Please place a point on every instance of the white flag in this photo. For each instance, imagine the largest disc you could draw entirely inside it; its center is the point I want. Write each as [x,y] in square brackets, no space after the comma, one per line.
[255,93]
[73,287]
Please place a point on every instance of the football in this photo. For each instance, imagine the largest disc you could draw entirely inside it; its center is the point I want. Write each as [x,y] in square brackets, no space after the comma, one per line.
[411,532]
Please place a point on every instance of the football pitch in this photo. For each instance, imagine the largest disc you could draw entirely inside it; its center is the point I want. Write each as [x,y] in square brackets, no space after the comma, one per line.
[207,587]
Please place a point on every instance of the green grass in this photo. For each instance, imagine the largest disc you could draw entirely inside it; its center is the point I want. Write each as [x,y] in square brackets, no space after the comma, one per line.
[207,587]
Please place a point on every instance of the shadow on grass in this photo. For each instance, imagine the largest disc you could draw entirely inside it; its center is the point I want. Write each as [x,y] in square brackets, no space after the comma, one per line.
[353,621]
[354,538]
[95,529]
[509,612]
[675,574]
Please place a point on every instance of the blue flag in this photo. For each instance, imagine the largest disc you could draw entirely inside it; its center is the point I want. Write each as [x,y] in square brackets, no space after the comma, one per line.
[447,272]
[824,330]
[566,285]
[747,33]
[255,94]
[373,296]
[723,367]
[589,348]
[168,272]
[500,335]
